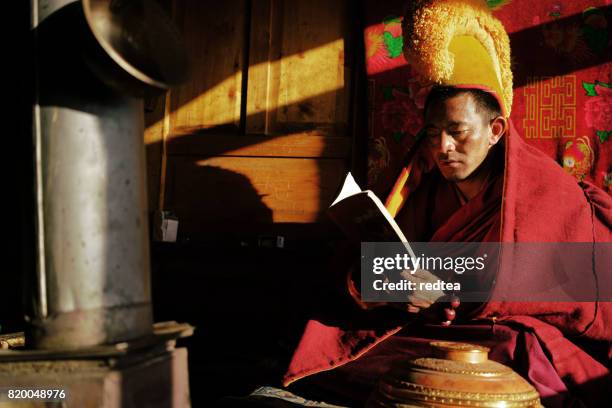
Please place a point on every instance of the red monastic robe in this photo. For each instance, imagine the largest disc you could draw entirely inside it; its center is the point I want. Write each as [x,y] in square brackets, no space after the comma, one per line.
[562,348]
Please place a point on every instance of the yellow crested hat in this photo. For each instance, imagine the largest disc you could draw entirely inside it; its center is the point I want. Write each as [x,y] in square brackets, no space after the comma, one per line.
[459,43]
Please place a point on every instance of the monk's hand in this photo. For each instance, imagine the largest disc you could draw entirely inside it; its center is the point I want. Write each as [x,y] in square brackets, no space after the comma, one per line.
[420,298]
[443,311]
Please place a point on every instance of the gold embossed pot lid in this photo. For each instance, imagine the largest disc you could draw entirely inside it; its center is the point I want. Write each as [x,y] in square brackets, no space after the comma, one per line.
[456,375]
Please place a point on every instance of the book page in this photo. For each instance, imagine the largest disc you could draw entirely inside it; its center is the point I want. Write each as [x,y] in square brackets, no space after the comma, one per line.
[363,217]
[349,188]
[391,222]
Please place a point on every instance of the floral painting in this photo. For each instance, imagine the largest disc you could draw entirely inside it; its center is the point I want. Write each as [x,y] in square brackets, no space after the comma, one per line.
[598,109]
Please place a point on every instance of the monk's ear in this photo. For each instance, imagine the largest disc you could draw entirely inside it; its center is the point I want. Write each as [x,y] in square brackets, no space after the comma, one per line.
[499,126]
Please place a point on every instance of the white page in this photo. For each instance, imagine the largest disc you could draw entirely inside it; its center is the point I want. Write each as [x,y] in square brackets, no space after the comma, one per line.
[349,188]
[393,224]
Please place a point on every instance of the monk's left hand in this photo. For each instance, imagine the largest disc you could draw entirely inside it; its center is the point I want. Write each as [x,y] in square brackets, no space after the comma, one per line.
[443,311]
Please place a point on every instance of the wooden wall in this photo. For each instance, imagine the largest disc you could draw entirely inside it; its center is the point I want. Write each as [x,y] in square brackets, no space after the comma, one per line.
[261,135]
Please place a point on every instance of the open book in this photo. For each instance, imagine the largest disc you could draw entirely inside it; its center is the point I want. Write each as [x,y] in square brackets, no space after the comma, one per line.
[362,216]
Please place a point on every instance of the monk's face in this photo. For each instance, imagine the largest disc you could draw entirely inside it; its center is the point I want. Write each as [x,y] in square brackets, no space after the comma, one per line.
[459,135]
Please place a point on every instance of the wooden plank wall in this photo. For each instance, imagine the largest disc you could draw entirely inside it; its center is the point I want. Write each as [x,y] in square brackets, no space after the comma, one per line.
[260,135]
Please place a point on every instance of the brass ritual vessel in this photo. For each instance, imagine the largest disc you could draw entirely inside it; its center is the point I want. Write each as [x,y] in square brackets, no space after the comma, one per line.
[456,375]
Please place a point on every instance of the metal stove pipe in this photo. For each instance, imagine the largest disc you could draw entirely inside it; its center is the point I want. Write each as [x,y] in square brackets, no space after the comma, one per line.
[93,272]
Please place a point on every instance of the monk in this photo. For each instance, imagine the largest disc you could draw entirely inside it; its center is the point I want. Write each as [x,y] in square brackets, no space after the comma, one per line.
[484,185]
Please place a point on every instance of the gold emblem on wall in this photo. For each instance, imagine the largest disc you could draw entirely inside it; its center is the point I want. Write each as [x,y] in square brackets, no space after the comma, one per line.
[550,107]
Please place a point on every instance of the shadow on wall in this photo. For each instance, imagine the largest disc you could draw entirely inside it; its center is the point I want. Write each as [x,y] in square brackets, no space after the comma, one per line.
[248,303]
[215,200]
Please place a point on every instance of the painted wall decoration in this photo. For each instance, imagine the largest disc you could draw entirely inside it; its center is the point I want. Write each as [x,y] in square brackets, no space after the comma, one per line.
[562,64]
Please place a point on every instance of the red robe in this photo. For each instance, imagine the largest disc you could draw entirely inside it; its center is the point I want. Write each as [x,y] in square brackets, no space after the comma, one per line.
[562,348]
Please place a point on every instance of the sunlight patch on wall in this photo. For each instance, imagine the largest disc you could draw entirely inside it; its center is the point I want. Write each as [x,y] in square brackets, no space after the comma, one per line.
[296,88]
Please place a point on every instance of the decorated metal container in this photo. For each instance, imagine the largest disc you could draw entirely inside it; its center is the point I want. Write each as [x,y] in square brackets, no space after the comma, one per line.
[456,375]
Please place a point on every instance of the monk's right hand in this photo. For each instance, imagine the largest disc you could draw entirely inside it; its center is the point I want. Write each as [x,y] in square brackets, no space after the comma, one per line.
[420,299]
